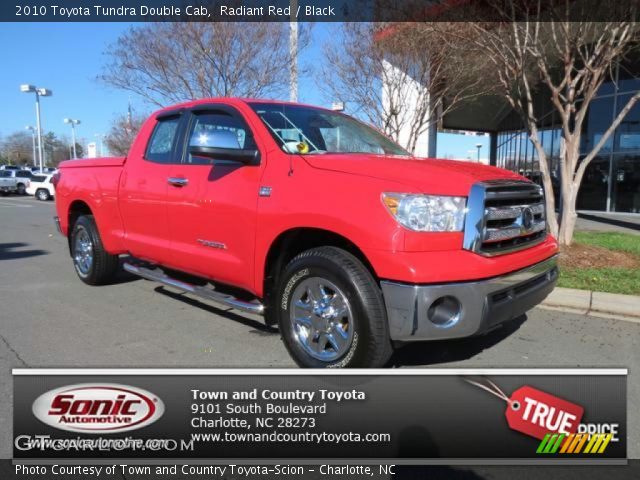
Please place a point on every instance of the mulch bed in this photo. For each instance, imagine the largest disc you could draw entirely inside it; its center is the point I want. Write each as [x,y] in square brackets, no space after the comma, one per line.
[588,256]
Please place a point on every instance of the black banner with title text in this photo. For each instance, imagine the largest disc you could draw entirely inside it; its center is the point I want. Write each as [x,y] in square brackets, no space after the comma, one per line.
[417,417]
[312,10]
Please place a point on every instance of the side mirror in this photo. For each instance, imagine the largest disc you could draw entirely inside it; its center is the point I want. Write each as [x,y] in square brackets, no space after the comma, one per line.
[247,156]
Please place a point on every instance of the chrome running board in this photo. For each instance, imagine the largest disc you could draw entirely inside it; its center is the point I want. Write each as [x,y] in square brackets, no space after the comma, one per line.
[157,275]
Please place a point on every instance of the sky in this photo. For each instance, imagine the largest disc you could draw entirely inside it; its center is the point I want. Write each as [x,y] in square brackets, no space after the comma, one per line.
[67,58]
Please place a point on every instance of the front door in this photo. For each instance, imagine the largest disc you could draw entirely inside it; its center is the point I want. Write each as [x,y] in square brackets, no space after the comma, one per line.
[212,206]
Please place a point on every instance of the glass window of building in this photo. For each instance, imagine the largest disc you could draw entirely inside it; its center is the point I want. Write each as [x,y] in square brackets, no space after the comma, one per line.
[595,185]
[626,183]
[599,118]
[627,135]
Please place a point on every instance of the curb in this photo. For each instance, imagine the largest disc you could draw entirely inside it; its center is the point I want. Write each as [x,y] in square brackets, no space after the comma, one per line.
[609,305]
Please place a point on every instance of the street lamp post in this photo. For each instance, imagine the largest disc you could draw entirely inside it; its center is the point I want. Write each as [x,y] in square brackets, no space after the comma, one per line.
[33,143]
[478,146]
[40,92]
[73,133]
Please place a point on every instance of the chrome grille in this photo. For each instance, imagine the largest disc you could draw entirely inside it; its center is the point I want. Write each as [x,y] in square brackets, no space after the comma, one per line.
[504,216]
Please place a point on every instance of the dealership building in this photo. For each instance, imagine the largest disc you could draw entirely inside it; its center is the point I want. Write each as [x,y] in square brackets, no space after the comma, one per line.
[612,181]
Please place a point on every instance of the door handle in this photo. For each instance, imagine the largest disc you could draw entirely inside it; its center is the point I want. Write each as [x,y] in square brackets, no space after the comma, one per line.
[177,181]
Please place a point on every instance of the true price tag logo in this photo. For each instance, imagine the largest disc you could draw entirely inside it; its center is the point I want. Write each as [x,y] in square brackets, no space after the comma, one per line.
[534,412]
[537,413]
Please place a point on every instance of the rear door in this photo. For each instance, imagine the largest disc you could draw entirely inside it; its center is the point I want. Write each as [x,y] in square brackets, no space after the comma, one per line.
[143,189]
[211,205]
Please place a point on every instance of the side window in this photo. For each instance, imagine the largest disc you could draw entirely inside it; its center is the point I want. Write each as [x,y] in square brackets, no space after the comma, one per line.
[160,147]
[219,130]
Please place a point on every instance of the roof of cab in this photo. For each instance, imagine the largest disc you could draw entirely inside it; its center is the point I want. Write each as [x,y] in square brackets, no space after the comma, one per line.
[230,101]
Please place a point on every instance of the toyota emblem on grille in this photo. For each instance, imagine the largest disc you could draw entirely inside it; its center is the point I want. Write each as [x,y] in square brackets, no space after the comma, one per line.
[527,218]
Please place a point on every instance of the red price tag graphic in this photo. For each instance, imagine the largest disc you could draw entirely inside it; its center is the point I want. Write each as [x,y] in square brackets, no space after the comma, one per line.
[534,412]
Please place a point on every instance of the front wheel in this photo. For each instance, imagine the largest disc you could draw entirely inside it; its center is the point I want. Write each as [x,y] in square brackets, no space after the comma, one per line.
[331,312]
[93,264]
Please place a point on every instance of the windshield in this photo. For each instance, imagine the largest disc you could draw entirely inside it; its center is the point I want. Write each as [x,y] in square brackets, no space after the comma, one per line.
[308,130]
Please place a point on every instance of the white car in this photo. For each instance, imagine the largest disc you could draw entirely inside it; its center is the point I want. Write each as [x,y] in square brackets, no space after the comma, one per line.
[41,187]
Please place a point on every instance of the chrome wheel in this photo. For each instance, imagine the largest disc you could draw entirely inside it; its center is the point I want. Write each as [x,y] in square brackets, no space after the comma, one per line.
[43,195]
[321,319]
[83,252]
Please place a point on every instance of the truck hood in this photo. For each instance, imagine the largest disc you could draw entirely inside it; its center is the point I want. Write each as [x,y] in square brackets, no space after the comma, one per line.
[426,175]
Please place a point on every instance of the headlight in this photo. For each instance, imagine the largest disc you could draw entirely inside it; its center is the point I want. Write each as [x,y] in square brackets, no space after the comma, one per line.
[427,213]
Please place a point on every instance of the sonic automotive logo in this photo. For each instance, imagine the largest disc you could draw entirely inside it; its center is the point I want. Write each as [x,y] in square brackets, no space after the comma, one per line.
[98,408]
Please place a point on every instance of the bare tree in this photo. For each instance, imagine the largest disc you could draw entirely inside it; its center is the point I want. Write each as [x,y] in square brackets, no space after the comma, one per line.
[172,62]
[554,48]
[17,148]
[122,133]
[400,77]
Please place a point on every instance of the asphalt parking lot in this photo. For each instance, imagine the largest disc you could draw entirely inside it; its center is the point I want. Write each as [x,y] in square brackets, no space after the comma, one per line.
[48,318]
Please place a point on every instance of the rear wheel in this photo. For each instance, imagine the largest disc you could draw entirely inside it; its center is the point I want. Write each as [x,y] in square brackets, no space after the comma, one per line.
[331,312]
[21,189]
[93,264]
[43,194]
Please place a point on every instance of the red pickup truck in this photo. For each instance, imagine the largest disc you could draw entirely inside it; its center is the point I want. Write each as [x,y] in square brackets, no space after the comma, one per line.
[315,220]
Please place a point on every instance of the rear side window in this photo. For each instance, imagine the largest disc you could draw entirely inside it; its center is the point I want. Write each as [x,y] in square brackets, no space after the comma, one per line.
[160,147]
[5,174]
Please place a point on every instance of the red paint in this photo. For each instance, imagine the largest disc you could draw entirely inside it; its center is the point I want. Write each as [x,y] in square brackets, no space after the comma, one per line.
[137,212]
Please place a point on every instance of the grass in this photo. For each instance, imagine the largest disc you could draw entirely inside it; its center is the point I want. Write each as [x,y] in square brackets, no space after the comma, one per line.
[611,241]
[609,279]
[612,280]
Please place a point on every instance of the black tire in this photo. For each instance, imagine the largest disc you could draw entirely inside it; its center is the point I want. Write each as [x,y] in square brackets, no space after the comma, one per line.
[103,266]
[370,344]
[43,195]
[21,189]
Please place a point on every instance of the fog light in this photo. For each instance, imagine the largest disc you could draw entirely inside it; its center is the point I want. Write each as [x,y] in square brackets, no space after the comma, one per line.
[445,312]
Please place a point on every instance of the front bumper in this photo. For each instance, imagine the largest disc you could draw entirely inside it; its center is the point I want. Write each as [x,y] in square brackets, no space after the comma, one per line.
[457,310]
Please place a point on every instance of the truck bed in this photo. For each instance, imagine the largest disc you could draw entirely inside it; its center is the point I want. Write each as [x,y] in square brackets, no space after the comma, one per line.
[92,184]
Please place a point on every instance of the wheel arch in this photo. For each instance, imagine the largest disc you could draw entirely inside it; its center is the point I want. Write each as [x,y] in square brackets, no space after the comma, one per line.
[293,241]
[77,208]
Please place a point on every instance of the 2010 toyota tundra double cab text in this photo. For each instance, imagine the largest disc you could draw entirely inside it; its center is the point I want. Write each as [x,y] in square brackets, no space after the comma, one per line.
[315,220]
